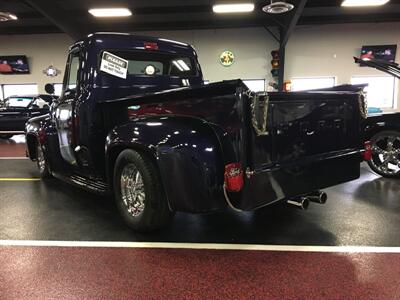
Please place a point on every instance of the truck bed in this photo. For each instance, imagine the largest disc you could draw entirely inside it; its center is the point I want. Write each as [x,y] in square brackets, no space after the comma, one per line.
[301,143]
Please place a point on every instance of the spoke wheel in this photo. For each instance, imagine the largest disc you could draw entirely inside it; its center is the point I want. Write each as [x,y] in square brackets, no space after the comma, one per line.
[132,190]
[139,194]
[386,154]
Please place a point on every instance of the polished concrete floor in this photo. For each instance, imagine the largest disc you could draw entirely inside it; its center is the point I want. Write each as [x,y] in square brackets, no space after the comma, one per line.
[43,222]
[362,212]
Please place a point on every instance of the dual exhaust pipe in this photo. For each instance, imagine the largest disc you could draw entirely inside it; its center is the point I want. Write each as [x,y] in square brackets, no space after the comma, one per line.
[304,201]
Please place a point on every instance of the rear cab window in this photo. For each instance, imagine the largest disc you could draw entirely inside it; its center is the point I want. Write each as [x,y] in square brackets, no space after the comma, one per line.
[157,64]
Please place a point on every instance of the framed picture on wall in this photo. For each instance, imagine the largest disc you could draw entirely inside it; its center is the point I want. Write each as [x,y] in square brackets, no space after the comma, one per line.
[383,52]
[14,64]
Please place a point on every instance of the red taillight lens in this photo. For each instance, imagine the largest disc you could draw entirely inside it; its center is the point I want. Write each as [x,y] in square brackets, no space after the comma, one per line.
[367,151]
[233,177]
[150,46]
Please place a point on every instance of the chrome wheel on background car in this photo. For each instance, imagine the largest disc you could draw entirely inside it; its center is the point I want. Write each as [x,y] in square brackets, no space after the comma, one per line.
[132,190]
[386,154]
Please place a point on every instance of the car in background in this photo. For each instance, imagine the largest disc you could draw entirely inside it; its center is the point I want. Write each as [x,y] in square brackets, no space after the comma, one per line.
[16,110]
[383,128]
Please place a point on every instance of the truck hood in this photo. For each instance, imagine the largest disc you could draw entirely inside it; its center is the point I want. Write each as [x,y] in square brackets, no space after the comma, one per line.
[381,65]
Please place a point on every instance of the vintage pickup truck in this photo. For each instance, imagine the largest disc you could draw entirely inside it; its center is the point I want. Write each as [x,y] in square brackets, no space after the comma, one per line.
[135,120]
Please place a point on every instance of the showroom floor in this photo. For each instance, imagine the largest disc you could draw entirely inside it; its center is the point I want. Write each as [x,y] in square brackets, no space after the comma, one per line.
[36,215]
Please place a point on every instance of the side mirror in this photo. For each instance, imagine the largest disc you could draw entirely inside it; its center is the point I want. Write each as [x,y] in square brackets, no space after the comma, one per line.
[49,88]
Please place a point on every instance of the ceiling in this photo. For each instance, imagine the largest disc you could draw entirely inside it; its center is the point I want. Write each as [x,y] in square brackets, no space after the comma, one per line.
[53,16]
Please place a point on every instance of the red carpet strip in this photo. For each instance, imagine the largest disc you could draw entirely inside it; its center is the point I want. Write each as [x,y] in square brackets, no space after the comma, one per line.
[12,149]
[29,272]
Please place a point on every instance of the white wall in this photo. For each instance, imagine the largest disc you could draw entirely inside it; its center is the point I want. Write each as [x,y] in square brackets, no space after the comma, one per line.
[42,51]
[311,51]
[252,48]
[328,50]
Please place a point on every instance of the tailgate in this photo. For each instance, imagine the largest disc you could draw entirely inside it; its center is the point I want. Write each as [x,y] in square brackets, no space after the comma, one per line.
[312,141]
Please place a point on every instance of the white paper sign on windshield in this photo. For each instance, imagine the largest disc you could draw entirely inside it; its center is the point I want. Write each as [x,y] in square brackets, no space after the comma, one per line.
[114,65]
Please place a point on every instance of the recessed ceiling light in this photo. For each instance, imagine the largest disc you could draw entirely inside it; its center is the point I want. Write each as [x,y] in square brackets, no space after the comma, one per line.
[364,2]
[233,8]
[6,16]
[110,12]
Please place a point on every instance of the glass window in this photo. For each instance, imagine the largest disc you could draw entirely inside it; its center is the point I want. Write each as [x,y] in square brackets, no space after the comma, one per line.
[312,83]
[153,64]
[18,101]
[73,72]
[57,89]
[20,89]
[1,93]
[256,85]
[380,90]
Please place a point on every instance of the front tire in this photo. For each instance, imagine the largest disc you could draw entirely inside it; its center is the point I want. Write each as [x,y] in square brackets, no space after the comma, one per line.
[42,164]
[386,154]
[139,195]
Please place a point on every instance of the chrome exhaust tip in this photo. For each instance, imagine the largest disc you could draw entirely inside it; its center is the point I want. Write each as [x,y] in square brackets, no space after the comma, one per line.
[318,197]
[300,203]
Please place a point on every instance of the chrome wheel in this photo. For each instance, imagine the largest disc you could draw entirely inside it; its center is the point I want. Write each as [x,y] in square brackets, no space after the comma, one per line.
[386,155]
[132,190]
[41,162]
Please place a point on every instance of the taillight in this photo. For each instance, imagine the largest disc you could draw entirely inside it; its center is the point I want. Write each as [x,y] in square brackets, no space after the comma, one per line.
[367,151]
[150,46]
[233,177]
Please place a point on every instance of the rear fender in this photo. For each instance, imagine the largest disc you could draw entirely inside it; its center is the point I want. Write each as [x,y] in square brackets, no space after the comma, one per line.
[377,124]
[41,130]
[35,130]
[187,153]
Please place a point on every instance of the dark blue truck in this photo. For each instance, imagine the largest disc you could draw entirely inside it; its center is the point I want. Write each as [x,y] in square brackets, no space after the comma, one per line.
[135,120]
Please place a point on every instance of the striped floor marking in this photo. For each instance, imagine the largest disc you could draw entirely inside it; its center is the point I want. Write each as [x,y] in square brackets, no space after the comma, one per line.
[275,248]
[19,179]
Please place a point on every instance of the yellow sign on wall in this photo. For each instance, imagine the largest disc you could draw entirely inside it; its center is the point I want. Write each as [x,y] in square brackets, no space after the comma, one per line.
[227,58]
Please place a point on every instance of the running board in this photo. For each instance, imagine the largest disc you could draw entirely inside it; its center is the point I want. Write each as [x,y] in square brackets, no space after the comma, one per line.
[91,185]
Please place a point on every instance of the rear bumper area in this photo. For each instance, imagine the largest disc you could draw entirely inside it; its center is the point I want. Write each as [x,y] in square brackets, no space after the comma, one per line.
[283,182]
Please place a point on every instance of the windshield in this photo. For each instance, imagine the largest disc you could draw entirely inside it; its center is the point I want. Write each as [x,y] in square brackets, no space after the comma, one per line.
[22,102]
[153,64]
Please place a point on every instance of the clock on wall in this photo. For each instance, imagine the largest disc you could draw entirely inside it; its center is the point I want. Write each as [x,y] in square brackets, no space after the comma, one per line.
[51,71]
[227,58]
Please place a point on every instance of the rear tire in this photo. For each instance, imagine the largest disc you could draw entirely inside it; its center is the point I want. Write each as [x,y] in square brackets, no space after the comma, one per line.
[386,154]
[43,165]
[139,194]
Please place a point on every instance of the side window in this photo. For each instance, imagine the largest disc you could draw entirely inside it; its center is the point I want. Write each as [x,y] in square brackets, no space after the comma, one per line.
[71,73]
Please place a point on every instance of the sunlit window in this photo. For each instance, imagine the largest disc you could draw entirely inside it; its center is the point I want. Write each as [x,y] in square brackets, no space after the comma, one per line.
[312,83]
[256,85]
[20,89]
[57,88]
[380,90]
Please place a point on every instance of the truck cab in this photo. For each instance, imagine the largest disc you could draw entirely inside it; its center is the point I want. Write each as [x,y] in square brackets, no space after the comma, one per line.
[136,121]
